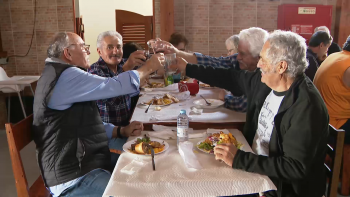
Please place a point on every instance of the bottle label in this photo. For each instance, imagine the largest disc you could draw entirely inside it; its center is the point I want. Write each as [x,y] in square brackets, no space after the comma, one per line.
[182,132]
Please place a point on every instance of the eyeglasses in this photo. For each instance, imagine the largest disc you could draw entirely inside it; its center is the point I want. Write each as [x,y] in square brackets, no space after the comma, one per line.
[83,46]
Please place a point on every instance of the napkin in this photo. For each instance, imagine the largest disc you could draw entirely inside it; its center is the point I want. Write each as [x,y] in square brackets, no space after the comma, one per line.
[183,95]
[164,117]
[133,167]
[196,110]
[164,135]
[186,152]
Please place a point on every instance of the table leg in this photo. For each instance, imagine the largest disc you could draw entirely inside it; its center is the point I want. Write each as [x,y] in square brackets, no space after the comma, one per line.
[20,99]
[8,109]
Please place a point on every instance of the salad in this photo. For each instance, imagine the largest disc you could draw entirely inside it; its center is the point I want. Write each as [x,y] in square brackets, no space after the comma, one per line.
[218,138]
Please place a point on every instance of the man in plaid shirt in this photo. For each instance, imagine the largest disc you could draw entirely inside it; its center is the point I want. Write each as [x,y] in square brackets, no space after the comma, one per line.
[250,44]
[115,110]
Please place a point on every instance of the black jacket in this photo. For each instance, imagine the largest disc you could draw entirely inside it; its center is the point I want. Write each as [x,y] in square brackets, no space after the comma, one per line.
[71,142]
[313,64]
[297,146]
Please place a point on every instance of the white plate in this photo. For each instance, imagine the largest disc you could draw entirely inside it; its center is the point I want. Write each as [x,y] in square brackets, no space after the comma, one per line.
[214,103]
[127,146]
[201,149]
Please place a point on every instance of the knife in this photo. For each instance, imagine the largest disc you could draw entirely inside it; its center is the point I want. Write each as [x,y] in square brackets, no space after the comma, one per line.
[152,154]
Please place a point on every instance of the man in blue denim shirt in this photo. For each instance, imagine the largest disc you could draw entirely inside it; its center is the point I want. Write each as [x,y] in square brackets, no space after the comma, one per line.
[250,44]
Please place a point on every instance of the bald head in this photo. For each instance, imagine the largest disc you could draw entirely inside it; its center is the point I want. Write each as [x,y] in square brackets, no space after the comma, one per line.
[322,28]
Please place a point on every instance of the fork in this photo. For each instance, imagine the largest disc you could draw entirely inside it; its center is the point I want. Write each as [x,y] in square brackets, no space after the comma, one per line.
[206,100]
[149,106]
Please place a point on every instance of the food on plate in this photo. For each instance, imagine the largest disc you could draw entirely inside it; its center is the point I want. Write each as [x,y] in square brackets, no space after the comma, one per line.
[165,100]
[154,85]
[203,85]
[143,146]
[158,108]
[218,138]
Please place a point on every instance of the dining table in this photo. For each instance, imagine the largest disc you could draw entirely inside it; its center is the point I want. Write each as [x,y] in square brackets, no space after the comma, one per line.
[133,174]
[218,117]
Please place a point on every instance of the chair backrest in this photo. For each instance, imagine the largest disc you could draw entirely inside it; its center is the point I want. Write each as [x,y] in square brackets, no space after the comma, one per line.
[3,75]
[18,137]
[335,152]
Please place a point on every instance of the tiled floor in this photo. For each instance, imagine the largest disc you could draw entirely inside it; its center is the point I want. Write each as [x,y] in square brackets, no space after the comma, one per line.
[7,182]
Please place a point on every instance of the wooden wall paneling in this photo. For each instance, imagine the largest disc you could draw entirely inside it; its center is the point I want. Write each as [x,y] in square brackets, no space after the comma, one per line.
[166,19]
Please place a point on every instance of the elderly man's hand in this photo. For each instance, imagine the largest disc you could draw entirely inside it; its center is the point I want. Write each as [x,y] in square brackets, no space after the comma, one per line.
[165,47]
[226,153]
[133,129]
[180,65]
[156,62]
[136,58]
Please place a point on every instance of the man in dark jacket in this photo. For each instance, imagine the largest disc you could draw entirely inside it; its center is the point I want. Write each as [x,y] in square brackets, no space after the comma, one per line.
[287,120]
[334,46]
[317,51]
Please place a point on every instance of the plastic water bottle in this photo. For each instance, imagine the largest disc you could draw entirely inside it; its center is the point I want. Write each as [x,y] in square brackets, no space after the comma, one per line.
[182,127]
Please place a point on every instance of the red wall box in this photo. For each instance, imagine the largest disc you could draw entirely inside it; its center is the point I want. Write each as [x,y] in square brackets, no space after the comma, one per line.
[303,18]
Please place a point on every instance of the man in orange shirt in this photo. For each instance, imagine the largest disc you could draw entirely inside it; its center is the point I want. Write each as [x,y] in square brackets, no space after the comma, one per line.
[332,79]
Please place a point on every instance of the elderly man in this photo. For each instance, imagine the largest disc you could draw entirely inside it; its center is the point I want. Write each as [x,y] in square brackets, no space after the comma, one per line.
[71,140]
[232,45]
[250,44]
[317,51]
[332,79]
[287,120]
[334,46]
[116,110]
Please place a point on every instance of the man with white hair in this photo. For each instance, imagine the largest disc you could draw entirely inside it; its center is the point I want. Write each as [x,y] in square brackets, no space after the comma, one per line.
[116,110]
[250,43]
[287,120]
[334,47]
[71,139]
[232,45]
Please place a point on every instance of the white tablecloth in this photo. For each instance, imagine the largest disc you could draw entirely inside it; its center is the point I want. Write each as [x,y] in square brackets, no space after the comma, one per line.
[172,178]
[217,115]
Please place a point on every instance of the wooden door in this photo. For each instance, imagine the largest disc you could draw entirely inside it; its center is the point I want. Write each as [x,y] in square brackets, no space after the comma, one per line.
[134,27]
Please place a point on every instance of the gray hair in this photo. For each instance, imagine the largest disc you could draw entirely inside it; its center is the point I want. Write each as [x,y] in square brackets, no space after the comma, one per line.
[58,44]
[290,47]
[105,34]
[255,37]
[322,28]
[232,42]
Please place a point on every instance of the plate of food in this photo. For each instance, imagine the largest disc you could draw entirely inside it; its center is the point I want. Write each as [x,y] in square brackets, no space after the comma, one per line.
[214,139]
[162,100]
[154,85]
[205,86]
[142,146]
[214,103]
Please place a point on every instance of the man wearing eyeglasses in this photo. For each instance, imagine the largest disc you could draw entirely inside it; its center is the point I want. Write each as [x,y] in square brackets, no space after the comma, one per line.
[71,139]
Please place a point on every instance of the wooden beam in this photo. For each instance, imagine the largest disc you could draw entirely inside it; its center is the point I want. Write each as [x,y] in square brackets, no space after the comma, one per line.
[337,20]
[344,22]
[2,53]
[166,19]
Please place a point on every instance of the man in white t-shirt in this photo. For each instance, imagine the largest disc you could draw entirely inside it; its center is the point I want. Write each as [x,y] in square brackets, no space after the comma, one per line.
[286,122]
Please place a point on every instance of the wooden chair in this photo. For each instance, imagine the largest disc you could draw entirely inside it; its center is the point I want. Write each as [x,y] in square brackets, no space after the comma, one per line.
[18,137]
[335,153]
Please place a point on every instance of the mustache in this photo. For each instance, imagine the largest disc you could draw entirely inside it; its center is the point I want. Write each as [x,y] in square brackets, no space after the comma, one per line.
[115,56]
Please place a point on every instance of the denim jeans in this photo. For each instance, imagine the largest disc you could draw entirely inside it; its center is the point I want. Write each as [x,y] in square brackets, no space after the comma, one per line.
[94,183]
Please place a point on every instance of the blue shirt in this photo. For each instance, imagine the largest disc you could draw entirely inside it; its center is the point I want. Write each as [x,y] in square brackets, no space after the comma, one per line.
[235,103]
[75,85]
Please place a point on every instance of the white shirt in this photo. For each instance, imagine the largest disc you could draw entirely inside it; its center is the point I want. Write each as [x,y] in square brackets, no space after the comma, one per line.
[266,123]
